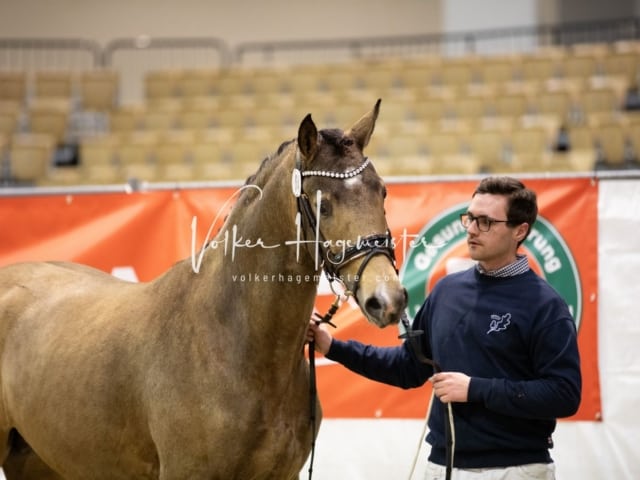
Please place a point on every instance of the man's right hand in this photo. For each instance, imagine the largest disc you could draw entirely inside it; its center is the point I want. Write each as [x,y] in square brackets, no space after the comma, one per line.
[320,335]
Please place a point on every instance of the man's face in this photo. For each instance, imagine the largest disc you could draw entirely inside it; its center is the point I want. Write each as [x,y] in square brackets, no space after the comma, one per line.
[497,247]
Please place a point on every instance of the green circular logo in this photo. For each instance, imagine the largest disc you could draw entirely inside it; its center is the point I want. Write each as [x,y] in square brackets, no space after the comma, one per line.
[440,248]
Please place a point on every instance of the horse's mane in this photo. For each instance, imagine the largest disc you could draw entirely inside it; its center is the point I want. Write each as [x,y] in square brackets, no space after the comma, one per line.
[257,177]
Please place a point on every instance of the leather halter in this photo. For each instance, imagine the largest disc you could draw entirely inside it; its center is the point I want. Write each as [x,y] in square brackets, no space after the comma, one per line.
[367,247]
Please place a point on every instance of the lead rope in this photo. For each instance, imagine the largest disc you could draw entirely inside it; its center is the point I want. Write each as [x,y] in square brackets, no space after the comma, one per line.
[313,389]
[411,336]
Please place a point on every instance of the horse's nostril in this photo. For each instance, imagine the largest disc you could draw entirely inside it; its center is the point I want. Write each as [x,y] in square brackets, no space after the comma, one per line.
[373,305]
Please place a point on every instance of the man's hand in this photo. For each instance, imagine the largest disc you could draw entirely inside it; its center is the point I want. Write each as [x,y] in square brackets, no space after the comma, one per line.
[451,386]
[320,335]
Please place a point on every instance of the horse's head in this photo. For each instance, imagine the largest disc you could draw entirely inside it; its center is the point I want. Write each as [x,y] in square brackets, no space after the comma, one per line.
[341,200]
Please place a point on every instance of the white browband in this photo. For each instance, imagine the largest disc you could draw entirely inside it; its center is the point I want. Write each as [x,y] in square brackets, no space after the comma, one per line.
[324,173]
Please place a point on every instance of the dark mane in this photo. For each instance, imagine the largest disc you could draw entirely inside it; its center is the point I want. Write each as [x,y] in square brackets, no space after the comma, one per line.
[267,160]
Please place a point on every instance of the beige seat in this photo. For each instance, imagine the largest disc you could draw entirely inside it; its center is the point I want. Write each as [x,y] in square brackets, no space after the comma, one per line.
[137,172]
[611,143]
[459,73]
[442,143]
[31,156]
[13,86]
[471,108]
[581,137]
[54,84]
[488,146]
[62,176]
[430,110]
[138,148]
[99,150]
[10,112]
[199,82]
[511,105]
[99,89]
[174,146]
[50,116]
[198,112]
[126,119]
[558,104]
[162,115]
[464,163]
[530,149]
[162,84]
[585,60]
[622,63]
[101,174]
[633,136]
[599,101]
[499,69]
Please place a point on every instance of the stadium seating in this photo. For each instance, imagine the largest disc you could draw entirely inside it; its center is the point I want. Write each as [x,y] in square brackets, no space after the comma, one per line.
[440,115]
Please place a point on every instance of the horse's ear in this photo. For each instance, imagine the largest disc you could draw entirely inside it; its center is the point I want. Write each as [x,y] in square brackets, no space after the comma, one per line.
[362,130]
[308,137]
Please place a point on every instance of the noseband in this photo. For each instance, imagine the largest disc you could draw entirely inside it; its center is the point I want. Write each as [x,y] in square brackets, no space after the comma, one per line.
[367,247]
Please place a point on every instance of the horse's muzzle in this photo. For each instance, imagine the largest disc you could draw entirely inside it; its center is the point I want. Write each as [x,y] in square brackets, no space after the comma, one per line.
[386,305]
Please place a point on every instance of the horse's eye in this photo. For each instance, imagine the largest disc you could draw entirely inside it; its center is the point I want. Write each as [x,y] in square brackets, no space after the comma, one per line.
[325,209]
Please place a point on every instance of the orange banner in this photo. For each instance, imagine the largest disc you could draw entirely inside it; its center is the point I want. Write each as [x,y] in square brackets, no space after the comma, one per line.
[562,248]
[140,235]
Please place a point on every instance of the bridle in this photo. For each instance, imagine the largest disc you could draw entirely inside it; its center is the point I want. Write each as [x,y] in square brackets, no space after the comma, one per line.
[333,263]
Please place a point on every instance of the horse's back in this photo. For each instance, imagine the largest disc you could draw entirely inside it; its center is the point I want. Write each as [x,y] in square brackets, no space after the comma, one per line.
[42,290]
[70,329]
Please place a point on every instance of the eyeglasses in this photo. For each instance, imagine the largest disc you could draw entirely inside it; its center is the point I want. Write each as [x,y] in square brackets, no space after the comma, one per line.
[482,221]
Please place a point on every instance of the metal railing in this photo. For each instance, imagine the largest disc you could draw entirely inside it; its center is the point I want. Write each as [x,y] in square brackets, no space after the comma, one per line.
[49,53]
[134,57]
[189,52]
[490,41]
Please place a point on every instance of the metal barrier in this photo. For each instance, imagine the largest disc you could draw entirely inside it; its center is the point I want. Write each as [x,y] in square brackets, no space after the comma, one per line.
[202,52]
[493,41]
[134,57]
[48,53]
[173,52]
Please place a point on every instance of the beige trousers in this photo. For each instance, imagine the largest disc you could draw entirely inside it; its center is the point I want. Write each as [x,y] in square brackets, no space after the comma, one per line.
[532,471]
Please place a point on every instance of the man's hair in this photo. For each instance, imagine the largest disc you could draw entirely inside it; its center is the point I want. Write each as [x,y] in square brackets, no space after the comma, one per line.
[522,203]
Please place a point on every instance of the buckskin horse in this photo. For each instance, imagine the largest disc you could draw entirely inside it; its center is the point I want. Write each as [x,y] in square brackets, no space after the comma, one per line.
[194,375]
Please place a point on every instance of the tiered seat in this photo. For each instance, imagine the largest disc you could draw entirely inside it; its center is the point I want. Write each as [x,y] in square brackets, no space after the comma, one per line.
[439,115]
[50,116]
[13,86]
[31,157]
[98,90]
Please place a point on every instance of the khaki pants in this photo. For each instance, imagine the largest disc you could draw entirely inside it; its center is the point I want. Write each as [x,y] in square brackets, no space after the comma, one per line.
[532,471]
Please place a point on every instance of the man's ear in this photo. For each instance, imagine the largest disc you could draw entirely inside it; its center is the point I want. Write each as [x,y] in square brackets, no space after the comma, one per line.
[521,231]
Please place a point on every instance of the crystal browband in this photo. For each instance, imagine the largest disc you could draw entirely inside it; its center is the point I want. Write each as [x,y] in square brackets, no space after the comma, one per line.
[350,174]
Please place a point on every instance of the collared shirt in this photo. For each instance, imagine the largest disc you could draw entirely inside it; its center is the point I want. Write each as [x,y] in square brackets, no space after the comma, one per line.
[518,267]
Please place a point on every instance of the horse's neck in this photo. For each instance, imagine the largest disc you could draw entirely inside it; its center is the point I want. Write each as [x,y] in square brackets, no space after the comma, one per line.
[255,286]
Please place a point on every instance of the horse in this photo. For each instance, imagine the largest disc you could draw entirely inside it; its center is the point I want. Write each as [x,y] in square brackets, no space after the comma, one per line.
[195,375]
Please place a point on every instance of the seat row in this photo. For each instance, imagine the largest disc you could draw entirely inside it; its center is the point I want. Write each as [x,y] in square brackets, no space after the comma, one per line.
[382,75]
[189,155]
[94,89]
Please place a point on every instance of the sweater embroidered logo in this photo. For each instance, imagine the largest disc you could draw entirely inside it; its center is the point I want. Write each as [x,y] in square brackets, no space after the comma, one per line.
[499,323]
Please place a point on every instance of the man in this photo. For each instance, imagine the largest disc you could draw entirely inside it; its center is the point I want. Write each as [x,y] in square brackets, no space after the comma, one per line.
[504,340]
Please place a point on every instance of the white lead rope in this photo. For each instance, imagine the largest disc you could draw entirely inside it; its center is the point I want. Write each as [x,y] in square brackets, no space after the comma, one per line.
[424,432]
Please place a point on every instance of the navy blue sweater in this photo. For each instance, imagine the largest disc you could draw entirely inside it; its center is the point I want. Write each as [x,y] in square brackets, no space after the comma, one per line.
[515,338]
